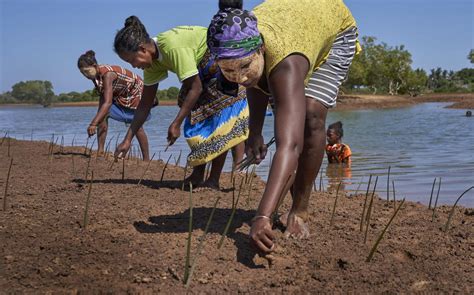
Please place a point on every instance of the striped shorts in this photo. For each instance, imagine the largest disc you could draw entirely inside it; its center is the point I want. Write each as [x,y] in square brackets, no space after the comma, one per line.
[325,81]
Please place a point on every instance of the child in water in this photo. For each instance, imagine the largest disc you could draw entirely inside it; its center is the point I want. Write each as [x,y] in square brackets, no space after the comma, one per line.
[337,151]
[120,92]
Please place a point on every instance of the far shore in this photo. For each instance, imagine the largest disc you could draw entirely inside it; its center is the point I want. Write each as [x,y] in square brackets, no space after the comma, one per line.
[344,102]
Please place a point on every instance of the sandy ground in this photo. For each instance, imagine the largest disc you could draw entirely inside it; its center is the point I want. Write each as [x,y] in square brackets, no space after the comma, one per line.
[135,238]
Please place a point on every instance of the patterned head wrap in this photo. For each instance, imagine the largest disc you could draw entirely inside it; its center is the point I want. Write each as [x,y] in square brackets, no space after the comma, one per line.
[233,33]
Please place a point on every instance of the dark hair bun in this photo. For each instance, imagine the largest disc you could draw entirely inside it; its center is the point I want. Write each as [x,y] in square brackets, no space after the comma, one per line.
[223,4]
[132,21]
[90,53]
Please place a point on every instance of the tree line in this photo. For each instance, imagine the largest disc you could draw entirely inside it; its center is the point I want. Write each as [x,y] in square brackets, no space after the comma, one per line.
[384,69]
[378,69]
[41,92]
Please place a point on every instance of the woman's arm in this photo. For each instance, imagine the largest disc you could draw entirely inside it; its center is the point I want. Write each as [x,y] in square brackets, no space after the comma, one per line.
[144,107]
[258,102]
[287,87]
[105,102]
[192,88]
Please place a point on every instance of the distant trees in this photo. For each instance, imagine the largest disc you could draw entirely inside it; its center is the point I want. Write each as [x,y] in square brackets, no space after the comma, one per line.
[380,68]
[441,80]
[40,92]
[167,94]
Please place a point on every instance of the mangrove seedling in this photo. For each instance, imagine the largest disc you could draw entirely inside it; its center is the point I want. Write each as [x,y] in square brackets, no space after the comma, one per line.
[432,190]
[250,184]
[335,203]
[229,222]
[190,233]
[365,203]
[179,158]
[377,242]
[436,200]
[201,243]
[185,168]
[5,195]
[86,211]
[358,187]
[146,169]
[87,168]
[123,169]
[446,227]
[369,210]
[164,168]
[388,184]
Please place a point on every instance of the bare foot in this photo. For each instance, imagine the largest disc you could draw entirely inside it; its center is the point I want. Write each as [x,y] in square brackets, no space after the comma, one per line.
[296,227]
[283,219]
[192,179]
[208,185]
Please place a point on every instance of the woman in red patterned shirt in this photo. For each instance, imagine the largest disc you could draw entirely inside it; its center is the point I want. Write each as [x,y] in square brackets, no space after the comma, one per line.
[120,93]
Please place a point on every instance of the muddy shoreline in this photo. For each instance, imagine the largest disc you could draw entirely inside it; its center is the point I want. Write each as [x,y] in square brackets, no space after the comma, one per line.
[135,239]
[345,102]
[351,102]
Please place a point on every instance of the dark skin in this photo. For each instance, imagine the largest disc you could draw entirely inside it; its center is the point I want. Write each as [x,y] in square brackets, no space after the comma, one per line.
[300,140]
[99,123]
[192,87]
[334,138]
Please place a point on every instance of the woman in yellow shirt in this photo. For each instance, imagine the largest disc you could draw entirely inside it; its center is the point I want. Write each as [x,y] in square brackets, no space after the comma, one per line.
[299,53]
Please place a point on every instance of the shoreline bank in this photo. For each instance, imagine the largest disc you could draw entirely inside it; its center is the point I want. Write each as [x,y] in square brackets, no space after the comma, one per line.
[344,102]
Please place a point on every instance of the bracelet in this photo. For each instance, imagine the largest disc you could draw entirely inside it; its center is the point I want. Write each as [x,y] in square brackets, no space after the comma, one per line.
[259,217]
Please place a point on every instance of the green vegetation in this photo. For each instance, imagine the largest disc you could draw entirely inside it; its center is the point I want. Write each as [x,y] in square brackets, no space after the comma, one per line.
[383,69]
[41,92]
[378,69]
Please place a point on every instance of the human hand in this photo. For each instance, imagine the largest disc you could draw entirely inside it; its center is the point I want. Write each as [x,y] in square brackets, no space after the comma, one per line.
[91,130]
[261,234]
[174,131]
[122,149]
[256,148]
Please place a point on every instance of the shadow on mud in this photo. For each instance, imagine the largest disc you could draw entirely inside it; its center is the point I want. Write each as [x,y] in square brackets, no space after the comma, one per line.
[178,223]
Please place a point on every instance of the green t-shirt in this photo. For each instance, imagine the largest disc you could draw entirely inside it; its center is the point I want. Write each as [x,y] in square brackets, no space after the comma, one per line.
[180,50]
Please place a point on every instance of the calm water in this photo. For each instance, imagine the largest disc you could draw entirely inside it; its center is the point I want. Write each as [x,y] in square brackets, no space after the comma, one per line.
[419,143]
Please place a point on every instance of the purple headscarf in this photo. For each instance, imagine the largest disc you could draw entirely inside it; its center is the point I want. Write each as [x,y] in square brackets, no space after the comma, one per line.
[233,33]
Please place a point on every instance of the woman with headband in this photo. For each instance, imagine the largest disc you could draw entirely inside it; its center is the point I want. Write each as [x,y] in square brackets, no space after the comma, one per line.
[298,52]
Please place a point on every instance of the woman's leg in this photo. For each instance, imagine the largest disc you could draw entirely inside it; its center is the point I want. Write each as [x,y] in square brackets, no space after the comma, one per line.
[216,170]
[309,164]
[143,141]
[102,135]
[197,177]
[238,153]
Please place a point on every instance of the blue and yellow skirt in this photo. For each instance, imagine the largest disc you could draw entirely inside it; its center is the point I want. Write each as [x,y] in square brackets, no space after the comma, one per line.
[218,121]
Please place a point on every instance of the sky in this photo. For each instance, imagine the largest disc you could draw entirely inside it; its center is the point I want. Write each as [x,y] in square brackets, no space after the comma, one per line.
[42,39]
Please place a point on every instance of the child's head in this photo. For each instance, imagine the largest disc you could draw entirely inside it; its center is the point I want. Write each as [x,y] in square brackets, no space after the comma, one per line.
[133,44]
[335,133]
[233,37]
[87,64]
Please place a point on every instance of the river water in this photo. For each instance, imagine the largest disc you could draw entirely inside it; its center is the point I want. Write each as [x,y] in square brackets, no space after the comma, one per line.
[418,143]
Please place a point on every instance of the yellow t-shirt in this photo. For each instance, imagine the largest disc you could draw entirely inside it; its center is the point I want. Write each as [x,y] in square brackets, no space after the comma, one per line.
[180,51]
[308,27]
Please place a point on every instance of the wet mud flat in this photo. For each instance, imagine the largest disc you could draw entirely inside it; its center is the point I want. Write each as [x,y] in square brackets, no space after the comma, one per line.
[136,235]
